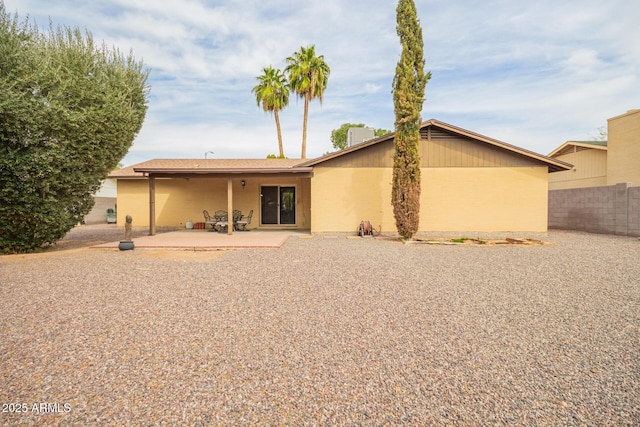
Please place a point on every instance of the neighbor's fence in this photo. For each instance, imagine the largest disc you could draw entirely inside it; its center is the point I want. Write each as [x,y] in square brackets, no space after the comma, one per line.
[98,214]
[613,209]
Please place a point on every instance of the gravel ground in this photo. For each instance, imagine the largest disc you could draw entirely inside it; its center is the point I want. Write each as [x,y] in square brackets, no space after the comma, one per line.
[342,332]
[91,235]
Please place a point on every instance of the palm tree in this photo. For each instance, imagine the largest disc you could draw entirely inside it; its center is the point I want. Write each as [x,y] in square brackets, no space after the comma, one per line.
[308,77]
[273,94]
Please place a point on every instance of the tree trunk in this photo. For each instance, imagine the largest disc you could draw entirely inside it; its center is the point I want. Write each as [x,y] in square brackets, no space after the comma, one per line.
[304,127]
[275,112]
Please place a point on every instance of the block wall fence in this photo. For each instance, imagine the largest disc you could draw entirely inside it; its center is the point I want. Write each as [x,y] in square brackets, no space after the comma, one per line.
[613,209]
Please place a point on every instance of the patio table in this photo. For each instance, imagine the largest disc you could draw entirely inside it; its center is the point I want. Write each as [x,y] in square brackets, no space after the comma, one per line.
[221,219]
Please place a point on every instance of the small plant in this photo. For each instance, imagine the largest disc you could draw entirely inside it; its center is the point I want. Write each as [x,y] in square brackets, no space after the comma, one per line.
[460,240]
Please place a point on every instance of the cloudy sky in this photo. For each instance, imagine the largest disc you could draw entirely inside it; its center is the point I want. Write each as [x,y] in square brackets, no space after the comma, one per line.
[531,73]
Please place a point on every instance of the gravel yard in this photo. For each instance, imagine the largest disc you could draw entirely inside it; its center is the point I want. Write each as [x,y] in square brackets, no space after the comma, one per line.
[323,331]
[90,235]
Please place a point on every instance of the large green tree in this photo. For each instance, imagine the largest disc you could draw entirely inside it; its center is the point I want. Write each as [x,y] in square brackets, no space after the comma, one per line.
[339,136]
[69,111]
[308,77]
[408,96]
[272,93]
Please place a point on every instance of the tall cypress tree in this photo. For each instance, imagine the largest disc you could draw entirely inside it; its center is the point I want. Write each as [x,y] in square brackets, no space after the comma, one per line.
[408,96]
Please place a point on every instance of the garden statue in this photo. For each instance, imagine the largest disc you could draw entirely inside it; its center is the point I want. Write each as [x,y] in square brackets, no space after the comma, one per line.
[127,243]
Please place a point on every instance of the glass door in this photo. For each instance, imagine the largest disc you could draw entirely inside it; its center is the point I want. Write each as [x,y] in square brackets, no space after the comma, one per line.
[278,205]
[287,205]
[269,205]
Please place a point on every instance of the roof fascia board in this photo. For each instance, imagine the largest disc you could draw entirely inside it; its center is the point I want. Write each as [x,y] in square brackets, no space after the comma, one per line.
[203,172]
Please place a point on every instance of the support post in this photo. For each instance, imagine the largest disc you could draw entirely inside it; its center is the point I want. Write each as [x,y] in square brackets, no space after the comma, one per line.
[229,206]
[152,205]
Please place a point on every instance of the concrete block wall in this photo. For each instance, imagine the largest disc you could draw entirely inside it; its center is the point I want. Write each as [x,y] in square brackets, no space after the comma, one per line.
[98,214]
[634,211]
[613,209]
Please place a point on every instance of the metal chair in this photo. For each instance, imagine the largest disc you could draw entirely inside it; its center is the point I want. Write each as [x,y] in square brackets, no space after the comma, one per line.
[208,220]
[244,222]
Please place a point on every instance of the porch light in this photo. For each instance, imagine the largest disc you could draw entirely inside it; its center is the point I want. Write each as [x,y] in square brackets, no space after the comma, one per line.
[243,183]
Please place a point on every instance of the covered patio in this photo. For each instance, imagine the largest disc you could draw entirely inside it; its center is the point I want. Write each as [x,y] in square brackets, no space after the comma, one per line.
[175,191]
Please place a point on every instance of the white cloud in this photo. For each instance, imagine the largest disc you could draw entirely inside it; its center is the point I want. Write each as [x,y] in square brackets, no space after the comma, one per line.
[530,73]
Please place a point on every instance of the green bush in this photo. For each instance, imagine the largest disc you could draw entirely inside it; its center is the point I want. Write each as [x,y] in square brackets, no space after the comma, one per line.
[69,112]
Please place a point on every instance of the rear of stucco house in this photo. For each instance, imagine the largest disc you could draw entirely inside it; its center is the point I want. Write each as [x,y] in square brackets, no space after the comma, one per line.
[469,183]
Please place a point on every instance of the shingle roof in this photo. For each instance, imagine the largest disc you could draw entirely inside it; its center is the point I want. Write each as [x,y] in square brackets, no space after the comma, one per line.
[204,165]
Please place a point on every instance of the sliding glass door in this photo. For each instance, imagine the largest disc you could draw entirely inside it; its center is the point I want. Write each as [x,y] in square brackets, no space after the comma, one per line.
[278,205]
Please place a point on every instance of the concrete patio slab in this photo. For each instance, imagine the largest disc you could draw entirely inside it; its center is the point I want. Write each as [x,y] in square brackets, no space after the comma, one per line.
[204,240]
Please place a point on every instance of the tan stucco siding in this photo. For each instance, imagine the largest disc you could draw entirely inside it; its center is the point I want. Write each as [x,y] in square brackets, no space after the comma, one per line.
[180,199]
[177,200]
[623,162]
[484,199]
[590,170]
[452,199]
[133,199]
[343,197]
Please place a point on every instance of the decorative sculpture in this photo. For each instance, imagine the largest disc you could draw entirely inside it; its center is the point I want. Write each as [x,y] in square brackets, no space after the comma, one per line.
[127,243]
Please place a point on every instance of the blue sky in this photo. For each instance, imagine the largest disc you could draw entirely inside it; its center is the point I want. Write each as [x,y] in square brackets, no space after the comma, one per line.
[533,74]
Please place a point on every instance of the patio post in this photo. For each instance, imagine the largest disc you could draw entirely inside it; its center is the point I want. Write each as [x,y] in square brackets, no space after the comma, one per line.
[152,205]
[229,206]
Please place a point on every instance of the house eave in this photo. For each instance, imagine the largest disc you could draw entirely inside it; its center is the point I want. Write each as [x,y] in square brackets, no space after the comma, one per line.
[221,172]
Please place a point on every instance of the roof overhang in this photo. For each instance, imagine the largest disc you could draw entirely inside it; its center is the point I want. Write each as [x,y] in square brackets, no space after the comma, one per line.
[301,172]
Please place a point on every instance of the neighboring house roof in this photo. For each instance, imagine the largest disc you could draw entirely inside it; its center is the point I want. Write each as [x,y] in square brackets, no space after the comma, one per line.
[553,164]
[575,146]
[209,167]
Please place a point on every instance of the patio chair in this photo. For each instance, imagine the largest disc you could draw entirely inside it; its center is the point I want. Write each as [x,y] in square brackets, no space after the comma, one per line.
[242,224]
[237,216]
[208,220]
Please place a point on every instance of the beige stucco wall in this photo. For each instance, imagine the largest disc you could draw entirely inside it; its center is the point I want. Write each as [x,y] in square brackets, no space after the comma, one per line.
[484,199]
[590,170]
[343,197]
[178,200]
[133,199]
[452,199]
[623,163]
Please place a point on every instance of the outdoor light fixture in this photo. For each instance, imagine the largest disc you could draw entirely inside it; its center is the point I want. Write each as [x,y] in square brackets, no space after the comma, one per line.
[207,152]
[243,183]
